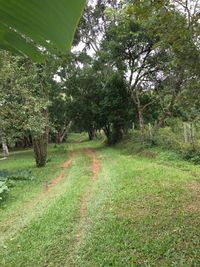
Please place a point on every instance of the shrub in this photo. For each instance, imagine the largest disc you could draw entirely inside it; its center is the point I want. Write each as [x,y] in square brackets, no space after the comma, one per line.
[192,155]
[173,139]
[3,189]
[7,179]
[169,139]
[16,175]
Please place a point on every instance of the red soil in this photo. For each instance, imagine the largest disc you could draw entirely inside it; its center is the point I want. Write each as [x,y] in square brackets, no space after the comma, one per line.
[55,181]
[65,165]
[95,163]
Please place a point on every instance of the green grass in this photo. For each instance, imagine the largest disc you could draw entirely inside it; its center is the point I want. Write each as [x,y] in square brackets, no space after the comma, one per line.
[143,210]
[24,190]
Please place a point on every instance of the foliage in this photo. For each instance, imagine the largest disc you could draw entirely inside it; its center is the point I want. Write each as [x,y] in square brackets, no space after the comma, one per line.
[172,137]
[154,47]
[24,94]
[132,62]
[191,155]
[8,177]
[96,101]
[16,175]
[21,101]
[3,189]
[58,112]
[113,108]
[28,26]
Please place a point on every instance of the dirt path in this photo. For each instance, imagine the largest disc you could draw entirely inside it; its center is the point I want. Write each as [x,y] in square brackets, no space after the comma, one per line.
[87,196]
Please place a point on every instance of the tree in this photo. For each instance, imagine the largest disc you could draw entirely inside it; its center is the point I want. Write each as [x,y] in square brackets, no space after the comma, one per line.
[30,35]
[24,93]
[83,89]
[94,23]
[97,98]
[153,45]
[113,108]
[13,94]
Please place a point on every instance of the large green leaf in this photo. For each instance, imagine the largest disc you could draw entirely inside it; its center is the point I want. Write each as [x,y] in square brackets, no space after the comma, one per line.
[27,26]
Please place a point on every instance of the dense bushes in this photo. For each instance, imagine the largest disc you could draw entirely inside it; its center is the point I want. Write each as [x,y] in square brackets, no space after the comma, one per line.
[191,155]
[184,141]
[173,137]
[3,189]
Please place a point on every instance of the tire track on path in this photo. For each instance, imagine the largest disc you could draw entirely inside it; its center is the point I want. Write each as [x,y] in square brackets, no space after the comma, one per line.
[65,165]
[88,194]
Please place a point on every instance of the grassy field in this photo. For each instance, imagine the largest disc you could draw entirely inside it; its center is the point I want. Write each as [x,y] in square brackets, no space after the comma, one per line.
[143,209]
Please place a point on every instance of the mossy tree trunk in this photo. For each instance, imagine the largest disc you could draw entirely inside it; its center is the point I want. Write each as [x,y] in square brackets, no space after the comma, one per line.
[40,145]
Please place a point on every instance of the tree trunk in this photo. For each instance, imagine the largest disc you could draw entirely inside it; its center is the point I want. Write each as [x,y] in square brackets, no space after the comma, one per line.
[117,133]
[107,132]
[91,134]
[40,144]
[30,140]
[140,110]
[150,132]
[66,130]
[58,138]
[61,133]
[141,121]
[5,150]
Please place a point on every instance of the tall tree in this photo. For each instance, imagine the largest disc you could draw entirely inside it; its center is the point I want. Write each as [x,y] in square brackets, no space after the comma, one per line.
[153,46]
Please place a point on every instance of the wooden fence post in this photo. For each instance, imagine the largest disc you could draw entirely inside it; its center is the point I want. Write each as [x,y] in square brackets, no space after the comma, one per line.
[192,135]
[185,126]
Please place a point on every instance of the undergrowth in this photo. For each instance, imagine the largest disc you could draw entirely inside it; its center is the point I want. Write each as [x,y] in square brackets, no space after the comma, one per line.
[9,178]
